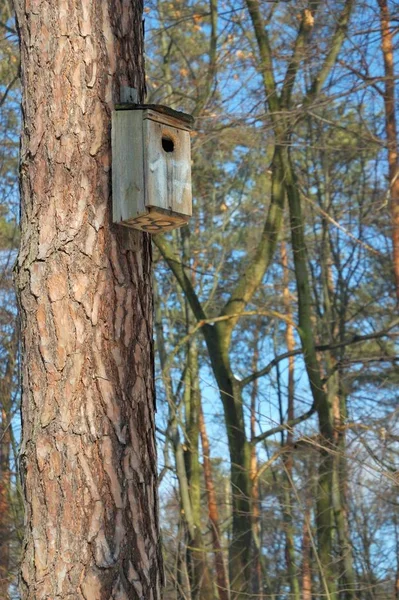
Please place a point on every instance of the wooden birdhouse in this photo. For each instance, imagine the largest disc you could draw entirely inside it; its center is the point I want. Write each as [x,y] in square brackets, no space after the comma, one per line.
[151,167]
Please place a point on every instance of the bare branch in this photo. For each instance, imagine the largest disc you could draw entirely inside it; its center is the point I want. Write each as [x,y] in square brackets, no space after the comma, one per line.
[356,339]
[284,426]
[336,43]
[178,270]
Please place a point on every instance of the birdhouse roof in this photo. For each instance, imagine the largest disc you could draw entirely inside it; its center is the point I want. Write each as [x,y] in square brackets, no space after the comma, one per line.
[187,119]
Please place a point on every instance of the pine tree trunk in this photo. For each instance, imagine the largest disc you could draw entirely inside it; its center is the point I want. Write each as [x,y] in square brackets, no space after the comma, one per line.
[88,454]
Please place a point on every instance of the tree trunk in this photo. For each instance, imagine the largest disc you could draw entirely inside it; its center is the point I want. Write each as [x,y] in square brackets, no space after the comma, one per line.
[324,515]
[6,517]
[221,575]
[337,402]
[387,44]
[288,501]
[240,456]
[202,586]
[257,583]
[347,580]
[200,578]
[306,547]
[88,455]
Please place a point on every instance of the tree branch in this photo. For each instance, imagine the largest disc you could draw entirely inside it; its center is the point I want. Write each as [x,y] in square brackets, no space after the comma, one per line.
[7,90]
[266,59]
[177,269]
[211,71]
[254,273]
[336,43]
[356,339]
[200,324]
[292,69]
[284,426]
[8,28]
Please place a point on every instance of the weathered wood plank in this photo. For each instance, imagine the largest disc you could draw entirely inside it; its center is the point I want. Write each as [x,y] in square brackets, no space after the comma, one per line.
[127,165]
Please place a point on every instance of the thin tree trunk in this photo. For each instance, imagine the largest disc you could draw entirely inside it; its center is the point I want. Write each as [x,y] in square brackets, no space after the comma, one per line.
[347,578]
[182,585]
[220,568]
[324,516]
[337,403]
[180,456]
[88,454]
[306,564]
[5,513]
[257,586]
[201,581]
[241,544]
[288,461]
[387,45]
[202,587]
[187,460]
[347,574]
[6,524]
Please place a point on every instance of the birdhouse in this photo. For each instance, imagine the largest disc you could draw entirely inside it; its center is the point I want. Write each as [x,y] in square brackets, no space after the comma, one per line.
[151,167]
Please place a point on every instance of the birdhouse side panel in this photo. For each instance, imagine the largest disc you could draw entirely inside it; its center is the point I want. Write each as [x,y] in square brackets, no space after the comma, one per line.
[167,160]
[127,165]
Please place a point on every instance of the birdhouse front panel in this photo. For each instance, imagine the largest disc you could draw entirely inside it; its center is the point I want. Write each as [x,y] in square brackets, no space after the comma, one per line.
[151,168]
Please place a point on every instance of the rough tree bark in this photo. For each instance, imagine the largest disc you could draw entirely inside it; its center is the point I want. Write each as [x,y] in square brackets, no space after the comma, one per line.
[88,455]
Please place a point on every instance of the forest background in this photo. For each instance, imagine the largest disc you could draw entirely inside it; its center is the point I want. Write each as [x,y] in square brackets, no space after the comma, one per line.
[275,309]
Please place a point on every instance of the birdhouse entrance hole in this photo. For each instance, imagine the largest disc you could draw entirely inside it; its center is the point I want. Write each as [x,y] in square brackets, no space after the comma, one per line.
[167,144]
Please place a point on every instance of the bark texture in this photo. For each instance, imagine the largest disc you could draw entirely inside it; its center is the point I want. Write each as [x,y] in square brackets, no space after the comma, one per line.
[88,454]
